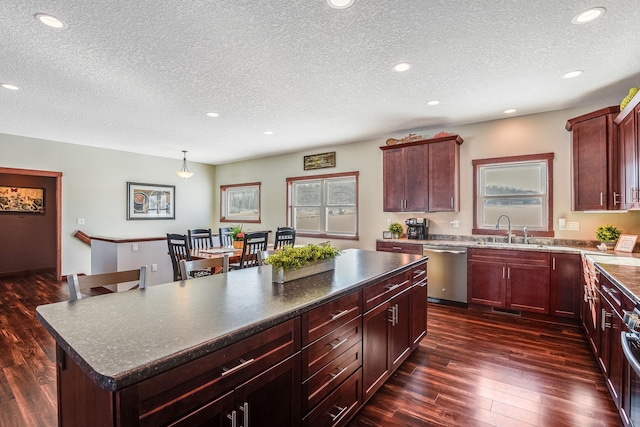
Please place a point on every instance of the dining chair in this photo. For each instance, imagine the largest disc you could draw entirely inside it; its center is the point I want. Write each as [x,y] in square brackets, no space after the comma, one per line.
[200,238]
[178,249]
[285,236]
[254,243]
[225,236]
[82,283]
[204,267]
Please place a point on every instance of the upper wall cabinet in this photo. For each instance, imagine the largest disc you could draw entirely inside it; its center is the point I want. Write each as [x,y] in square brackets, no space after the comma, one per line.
[628,122]
[422,176]
[596,180]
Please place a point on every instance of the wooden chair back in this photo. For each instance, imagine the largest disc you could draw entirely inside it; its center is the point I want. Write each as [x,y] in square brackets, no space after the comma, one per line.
[254,243]
[179,248]
[200,238]
[77,284]
[225,237]
[204,267]
[285,236]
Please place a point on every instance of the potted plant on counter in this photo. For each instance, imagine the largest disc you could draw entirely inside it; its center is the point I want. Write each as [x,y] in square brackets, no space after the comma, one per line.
[237,236]
[396,229]
[294,262]
[608,234]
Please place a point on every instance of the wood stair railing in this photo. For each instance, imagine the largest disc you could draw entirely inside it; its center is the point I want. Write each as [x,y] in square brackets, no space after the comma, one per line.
[83,237]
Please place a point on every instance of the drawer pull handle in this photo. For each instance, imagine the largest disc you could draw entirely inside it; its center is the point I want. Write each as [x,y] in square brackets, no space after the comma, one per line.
[339,414]
[419,273]
[340,372]
[233,417]
[339,314]
[338,344]
[397,248]
[392,287]
[243,364]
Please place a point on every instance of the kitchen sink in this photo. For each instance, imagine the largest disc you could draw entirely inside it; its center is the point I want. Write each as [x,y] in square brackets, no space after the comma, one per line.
[513,245]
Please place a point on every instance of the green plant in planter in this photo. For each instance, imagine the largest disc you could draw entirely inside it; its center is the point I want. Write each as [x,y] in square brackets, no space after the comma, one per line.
[396,228]
[291,258]
[608,233]
[237,233]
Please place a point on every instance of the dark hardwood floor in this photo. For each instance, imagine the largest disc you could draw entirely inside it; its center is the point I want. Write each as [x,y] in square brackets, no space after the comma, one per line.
[473,369]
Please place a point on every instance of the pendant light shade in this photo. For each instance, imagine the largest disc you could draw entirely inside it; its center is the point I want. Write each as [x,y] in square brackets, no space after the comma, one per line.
[184,172]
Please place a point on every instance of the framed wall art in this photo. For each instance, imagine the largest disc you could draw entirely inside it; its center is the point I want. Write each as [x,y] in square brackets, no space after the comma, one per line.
[240,202]
[320,161]
[22,200]
[150,201]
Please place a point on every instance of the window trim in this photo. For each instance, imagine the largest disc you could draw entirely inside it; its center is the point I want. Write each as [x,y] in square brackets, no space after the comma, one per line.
[548,157]
[323,235]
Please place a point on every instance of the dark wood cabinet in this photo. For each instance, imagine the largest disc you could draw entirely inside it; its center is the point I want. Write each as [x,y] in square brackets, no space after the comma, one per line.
[629,133]
[517,280]
[422,176]
[418,306]
[595,160]
[405,179]
[566,278]
[590,305]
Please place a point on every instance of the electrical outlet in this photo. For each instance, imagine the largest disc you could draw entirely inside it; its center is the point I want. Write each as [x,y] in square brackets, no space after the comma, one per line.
[80,221]
[154,267]
[455,223]
[134,247]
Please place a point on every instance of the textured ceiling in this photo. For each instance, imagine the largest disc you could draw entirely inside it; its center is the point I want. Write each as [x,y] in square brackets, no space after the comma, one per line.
[140,75]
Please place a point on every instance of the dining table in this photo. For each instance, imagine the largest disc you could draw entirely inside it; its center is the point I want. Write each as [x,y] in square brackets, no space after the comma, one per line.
[221,251]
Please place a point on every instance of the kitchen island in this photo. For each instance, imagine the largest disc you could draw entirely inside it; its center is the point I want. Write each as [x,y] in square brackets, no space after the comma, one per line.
[238,348]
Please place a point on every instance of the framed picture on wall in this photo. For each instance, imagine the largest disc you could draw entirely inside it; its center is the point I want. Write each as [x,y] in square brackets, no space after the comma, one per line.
[150,201]
[240,202]
[22,200]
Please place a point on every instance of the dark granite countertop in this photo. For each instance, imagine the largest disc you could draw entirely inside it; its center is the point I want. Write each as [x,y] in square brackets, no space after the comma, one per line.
[121,338]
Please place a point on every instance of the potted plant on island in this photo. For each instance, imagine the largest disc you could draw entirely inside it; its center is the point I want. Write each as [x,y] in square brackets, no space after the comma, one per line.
[608,234]
[237,236]
[396,229]
[291,263]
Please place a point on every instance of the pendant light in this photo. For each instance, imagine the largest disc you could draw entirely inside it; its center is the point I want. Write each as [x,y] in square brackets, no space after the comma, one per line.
[184,172]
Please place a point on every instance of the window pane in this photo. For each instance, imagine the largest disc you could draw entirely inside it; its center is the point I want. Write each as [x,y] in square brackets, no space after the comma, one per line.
[307,219]
[522,211]
[514,179]
[307,193]
[341,220]
[341,192]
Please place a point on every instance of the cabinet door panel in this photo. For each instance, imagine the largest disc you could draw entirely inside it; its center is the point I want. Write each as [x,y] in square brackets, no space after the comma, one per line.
[393,194]
[271,398]
[416,179]
[528,287]
[400,344]
[443,170]
[418,313]
[628,160]
[590,164]
[375,364]
[213,414]
[565,284]
[487,283]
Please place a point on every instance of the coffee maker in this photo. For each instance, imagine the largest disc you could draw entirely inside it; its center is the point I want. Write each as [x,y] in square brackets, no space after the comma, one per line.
[417,228]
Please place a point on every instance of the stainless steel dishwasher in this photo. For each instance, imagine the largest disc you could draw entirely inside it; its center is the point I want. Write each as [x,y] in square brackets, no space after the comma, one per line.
[447,273]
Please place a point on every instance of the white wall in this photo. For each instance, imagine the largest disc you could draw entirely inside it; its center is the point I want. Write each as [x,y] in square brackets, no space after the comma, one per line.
[94,188]
[538,133]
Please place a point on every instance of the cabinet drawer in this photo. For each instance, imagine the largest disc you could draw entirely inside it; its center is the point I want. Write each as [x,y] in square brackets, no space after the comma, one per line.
[318,386]
[338,408]
[404,248]
[330,346]
[324,319]
[419,274]
[509,256]
[378,293]
[172,394]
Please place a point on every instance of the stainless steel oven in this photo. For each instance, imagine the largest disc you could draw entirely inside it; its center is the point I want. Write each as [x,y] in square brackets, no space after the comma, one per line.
[631,348]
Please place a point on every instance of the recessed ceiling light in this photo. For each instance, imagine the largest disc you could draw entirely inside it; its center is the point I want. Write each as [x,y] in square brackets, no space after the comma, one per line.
[402,67]
[572,74]
[268,132]
[588,15]
[510,111]
[434,102]
[340,4]
[10,87]
[213,114]
[51,21]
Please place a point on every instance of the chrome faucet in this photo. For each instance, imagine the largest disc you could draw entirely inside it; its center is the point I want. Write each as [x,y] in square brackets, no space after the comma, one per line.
[526,235]
[508,226]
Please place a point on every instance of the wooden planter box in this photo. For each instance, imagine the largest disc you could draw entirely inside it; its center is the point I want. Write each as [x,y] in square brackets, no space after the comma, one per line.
[281,275]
